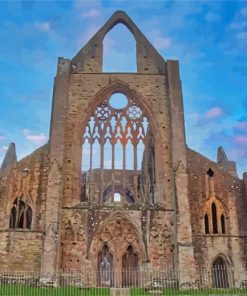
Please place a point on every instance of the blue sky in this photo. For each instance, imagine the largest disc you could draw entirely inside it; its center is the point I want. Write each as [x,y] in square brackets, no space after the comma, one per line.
[208,37]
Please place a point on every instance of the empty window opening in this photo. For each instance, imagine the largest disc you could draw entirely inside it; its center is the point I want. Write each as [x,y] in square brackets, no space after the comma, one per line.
[20,215]
[210,172]
[223,226]
[119,50]
[206,224]
[214,218]
[118,153]
[118,101]
[117,197]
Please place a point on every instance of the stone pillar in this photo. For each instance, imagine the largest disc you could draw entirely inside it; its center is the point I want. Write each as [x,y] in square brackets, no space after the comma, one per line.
[50,254]
[184,247]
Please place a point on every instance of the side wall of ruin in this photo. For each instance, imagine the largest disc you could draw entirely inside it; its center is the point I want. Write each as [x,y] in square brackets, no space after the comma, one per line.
[22,248]
[228,193]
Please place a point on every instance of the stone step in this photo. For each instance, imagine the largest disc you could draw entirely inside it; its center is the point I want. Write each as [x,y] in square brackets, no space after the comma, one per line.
[119,292]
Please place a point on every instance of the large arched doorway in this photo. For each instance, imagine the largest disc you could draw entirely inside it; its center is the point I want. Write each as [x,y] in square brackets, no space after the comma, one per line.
[105,268]
[130,268]
[220,273]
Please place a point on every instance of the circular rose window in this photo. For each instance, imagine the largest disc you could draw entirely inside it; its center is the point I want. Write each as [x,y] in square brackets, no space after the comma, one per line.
[118,101]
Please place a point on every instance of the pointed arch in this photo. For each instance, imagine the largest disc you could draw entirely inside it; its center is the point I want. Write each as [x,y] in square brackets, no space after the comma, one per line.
[105,267]
[206,223]
[121,229]
[119,50]
[130,266]
[223,226]
[89,58]
[214,215]
[214,218]
[221,272]
[101,114]
[20,213]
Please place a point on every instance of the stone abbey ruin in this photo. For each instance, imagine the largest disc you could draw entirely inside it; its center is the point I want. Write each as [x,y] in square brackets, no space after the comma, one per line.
[116,187]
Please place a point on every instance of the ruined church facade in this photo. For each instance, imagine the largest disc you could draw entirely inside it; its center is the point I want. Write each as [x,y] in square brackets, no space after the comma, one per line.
[116,181]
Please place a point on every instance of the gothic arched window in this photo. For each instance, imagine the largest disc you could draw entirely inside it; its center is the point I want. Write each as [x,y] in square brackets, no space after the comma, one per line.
[118,153]
[206,224]
[20,215]
[222,221]
[214,217]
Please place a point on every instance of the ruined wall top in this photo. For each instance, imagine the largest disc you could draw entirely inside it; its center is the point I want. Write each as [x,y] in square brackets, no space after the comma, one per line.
[10,157]
[89,58]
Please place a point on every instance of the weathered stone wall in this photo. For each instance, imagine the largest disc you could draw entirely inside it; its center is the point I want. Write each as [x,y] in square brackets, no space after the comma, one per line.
[228,192]
[85,231]
[22,248]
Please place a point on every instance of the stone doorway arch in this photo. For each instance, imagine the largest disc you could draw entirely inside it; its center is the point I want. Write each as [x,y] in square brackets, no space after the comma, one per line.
[124,241]
[220,273]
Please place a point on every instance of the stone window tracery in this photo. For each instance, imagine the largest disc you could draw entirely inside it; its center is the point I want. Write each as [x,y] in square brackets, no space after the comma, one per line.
[20,214]
[118,153]
[214,217]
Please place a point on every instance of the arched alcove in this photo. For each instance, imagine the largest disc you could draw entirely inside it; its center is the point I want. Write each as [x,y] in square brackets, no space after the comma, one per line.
[105,267]
[119,50]
[130,268]
[220,273]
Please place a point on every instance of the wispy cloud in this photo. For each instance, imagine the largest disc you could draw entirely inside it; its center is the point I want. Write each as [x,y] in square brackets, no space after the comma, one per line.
[158,39]
[212,17]
[241,125]
[243,11]
[238,25]
[4,148]
[43,26]
[242,35]
[91,13]
[162,42]
[2,137]
[241,139]
[38,138]
[87,35]
[213,113]
[108,44]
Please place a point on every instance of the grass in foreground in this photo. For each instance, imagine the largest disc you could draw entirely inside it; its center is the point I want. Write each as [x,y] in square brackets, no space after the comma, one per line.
[208,292]
[7,290]
[68,291]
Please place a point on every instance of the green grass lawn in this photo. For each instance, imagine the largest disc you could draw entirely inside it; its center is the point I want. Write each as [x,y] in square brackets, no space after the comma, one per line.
[208,292]
[69,291]
[7,290]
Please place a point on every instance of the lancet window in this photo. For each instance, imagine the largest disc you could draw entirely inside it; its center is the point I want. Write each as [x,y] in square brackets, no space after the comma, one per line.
[118,153]
[20,214]
[214,217]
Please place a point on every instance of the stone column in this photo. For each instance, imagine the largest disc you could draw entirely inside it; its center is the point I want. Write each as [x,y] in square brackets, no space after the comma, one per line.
[184,247]
[50,254]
